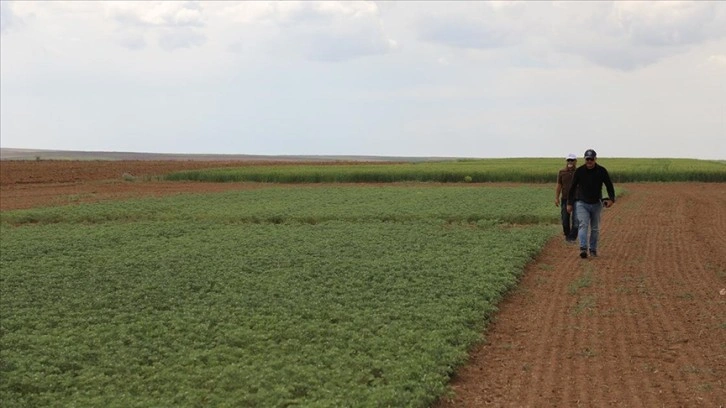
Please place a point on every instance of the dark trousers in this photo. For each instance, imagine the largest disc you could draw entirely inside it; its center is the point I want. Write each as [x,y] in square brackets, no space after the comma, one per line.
[569,221]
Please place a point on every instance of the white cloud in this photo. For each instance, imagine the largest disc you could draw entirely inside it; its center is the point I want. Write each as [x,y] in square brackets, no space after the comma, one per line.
[622,35]
[717,60]
[322,31]
[7,17]
[630,35]
[667,23]
[184,37]
[156,13]
[175,24]
[244,12]
[132,40]
[472,25]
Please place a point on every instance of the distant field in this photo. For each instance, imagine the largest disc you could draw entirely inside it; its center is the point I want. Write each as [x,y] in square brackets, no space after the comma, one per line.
[37,154]
[525,170]
[382,169]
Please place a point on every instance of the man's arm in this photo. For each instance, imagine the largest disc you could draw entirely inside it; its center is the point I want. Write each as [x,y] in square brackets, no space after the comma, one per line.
[609,185]
[571,193]
[558,190]
[573,187]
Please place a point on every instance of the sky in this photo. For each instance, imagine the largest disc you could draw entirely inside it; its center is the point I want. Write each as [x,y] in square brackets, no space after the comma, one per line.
[415,79]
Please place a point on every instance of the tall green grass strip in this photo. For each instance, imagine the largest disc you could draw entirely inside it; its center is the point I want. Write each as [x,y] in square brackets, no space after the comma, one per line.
[530,170]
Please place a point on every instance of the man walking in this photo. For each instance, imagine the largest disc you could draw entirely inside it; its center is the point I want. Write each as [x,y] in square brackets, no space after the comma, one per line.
[589,179]
[564,181]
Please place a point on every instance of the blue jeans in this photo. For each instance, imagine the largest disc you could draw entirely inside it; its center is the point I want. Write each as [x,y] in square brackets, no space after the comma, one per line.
[569,221]
[589,216]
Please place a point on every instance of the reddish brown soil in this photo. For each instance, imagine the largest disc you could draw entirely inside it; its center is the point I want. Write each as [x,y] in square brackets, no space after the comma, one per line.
[27,184]
[647,330]
[64,171]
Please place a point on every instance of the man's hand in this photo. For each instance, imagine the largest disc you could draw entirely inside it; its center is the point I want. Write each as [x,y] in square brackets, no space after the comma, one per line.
[557,202]
[569,208]
[607,203]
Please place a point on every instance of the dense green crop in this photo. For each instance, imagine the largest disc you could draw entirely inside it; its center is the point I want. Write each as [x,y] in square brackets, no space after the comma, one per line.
[275,204]
[329,296]
[535,170]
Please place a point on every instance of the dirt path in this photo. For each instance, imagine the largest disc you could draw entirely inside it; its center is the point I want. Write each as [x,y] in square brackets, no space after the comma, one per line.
[643,325]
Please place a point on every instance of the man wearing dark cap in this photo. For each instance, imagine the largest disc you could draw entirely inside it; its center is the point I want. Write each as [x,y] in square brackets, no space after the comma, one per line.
[587,182]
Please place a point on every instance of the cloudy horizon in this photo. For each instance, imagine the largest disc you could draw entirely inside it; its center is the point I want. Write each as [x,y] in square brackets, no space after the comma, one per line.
[443,79]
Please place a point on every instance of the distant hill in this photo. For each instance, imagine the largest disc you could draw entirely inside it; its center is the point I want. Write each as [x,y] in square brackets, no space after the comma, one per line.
[39,154]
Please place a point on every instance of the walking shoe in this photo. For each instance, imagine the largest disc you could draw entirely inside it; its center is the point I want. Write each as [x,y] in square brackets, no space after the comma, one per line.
[593,253]
[583,253]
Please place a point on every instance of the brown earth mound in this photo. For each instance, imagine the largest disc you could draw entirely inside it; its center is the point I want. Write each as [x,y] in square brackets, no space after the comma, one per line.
[642,325]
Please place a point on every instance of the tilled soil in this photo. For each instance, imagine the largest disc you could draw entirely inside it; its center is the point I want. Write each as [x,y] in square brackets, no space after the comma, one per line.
[28,184]
[642,325]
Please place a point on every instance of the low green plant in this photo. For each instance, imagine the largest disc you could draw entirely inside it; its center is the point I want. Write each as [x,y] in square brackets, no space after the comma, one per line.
[280,204]
[336,296]
[584,281]
[586,303]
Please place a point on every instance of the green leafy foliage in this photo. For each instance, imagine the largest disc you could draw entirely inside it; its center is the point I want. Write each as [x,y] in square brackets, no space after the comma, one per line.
[527,170]
[276,204]
[326,297]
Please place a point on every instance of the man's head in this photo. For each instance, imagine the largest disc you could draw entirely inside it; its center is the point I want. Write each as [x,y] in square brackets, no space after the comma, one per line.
[571,160]
[590,158]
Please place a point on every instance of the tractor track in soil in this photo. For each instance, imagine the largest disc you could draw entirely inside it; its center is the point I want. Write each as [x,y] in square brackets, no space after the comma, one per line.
[642,325]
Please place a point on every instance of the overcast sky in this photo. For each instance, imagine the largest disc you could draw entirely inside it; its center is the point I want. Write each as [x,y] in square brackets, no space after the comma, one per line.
[466,79]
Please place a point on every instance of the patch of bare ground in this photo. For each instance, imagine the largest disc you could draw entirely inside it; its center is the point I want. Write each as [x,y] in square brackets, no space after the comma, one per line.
[27,184]
[642,325]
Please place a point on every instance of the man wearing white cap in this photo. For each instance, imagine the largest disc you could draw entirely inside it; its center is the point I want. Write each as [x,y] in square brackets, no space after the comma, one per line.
[564,181]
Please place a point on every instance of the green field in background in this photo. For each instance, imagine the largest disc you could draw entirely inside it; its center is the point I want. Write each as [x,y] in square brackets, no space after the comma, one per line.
[537,170]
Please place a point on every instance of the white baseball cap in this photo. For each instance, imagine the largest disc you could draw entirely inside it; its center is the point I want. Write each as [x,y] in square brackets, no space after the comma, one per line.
[571,156]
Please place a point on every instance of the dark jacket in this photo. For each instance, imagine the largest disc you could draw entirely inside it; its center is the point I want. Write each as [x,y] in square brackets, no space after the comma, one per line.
[590,183]
[564,178]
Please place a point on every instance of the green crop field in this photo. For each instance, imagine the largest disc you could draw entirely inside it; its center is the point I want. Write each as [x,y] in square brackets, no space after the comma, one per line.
[322,296]
[312,204]
[538,170]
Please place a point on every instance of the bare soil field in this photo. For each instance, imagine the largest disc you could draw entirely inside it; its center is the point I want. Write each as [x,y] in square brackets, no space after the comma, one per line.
[642,325]
[27,184]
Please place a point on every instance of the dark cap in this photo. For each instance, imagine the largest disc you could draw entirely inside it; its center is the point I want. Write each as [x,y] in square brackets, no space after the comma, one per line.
[589,153]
